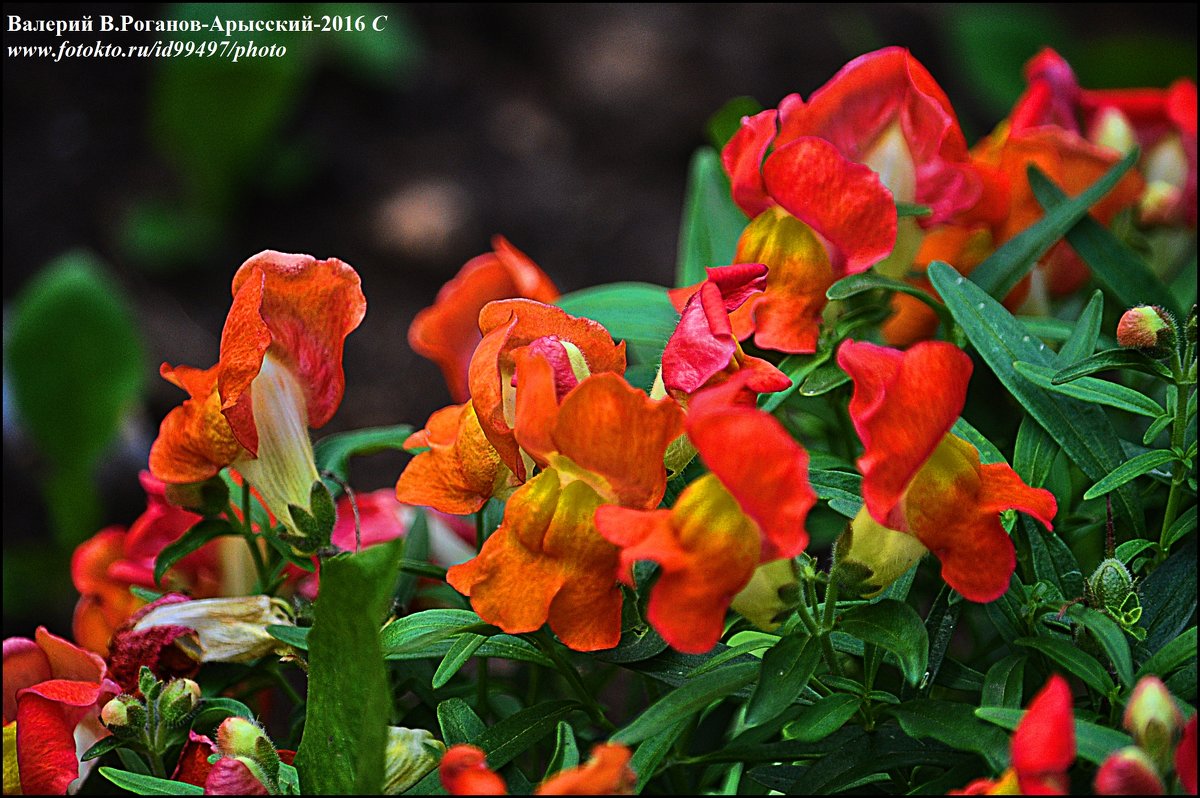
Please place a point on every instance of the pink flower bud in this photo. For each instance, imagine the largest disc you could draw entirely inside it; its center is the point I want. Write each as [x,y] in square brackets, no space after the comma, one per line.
[1128,772]
[1153,719]
[1147,328]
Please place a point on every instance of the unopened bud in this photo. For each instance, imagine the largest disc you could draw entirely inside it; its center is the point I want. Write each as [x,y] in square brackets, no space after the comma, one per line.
[1153,719]
[239,737]
[868,556]
[148,683]
[1111,584]
[209,498]
[1111,129]
[1128,771]
[124,716]
[411,753]
[772,593]
[1147,328]
[178,699]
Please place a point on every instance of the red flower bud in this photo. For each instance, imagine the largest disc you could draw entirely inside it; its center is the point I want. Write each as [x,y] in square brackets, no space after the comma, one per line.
[1148,328]
[1128,772]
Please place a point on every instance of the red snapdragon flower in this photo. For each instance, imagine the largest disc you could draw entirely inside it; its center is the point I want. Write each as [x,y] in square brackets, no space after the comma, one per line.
[464,771]
[53,691]
[448,331]
[921,480]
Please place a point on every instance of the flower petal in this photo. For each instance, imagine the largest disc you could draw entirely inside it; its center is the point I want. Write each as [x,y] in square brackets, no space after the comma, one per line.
[607,772]
[464,771]
[461,470]
[1043,746]
[195,440]
[743,156]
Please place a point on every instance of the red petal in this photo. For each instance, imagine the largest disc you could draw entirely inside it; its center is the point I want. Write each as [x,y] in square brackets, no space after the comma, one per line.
[1043,746]
[464,771]
[229,776]
[742,157]
[1185,757]
[902,406]
[193,766]
[25,664]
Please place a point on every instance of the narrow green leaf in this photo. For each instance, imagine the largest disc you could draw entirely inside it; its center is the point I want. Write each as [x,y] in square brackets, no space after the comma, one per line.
[101,748]
[687,700]
[1111,360]
[840,488]
[733,652]
[458,722]
[1004,684]
[894,626]
[956,725]
[1090,389]
[1053,561]
[416,550]
[295,636]
[1111,639]
[856,284]
[711,223]
[191,541]
[904,209]
[1070,658]
[1093,743]
[1171,656]
[1156,427]
[1129,470]
[998,274]
[988,453]
[647,756]
[349,703]
[517,733]
[1169,597]
[1034,453]
[1132,548]
[824,379]
[140,784]
[1183,526]
[1113,265]
[333,452]
[460,652]
[1082,430]
[822,718]
[214,710]
[797,368]
[431,633]
[640,314]
[786,669]
[1081,342]
[566,750]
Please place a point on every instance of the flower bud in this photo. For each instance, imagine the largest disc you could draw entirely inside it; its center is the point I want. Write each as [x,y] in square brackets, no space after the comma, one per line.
[1153,719]
[1111,584]
[1147,328]
[178,699]
[411,753]
[242,738]
[1128,772]
[124,716]
[868,556]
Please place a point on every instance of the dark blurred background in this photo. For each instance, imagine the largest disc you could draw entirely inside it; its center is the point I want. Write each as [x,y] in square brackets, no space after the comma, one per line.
[134,188]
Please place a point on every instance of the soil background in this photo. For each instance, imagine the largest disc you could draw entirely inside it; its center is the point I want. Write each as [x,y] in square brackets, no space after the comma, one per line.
[566,128]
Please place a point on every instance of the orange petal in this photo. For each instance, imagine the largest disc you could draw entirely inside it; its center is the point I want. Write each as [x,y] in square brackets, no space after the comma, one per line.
[903,404]
[607,772]
[464,771]
[301,309]
[707,550]
[448,331]
[546,562]
[508,325]
[953,506]
[461,470]
[743,156]
[195,440]
[787,316]
[772,486]
[843,201]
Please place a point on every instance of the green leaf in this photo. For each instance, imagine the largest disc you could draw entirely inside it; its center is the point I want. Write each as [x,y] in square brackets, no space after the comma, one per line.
[191,541]
[895,626]
[640,314]
[431,633]
[1132,548]
[786,669]
[458,722]
[349,703]
[1071,659]
[1183,526]
[1034,453]
[687,700]
[1081,342]
[840,488]
[647,756]
[1169,597]
[1112,360]
[101,748]
[1004,684]
[1082,430]
[1111,639]
[988,453]
[333,452]
[76,366]
[1089,389]
[822,718]
[1156,427]
[724,123]
[1093,743]
[712,222]
[1129,470]
[462,650]
[140,784]
[1113,265]
[1171,656]
[214,710]
[517,733]
[416,550]
[856,284]
[566,750]
[904,209]
[954,724]
[295,636]
[824,379]
[1053,561]
[998,274]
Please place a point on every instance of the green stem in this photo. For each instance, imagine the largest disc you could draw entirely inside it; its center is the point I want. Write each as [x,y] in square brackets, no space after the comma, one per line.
[568,672]
[827,627]
[1178,433]
[806,618]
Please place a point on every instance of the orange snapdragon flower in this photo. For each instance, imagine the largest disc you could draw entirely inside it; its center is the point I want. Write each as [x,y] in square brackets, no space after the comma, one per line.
[921,480]
[820,181]
[464,771]
[448,331]
[599,442]
[1043,748]
[746,512]
[280,371]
